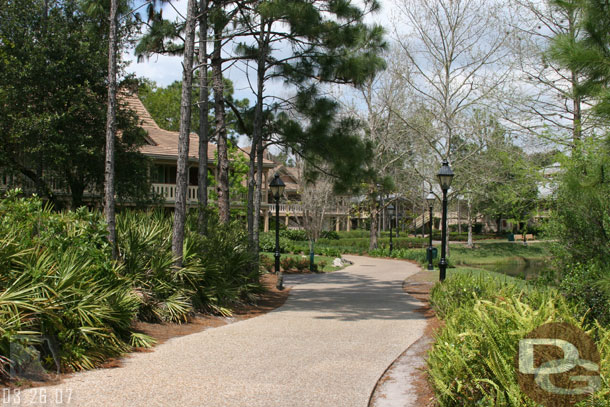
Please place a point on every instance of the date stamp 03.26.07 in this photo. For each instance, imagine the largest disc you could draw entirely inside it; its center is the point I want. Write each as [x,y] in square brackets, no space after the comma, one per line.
[36,396]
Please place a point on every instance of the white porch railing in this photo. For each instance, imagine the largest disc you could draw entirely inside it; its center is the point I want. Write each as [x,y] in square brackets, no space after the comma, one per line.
[168,192]
[295,209]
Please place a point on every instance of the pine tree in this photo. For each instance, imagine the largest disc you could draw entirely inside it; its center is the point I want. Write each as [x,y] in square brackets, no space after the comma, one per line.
[109,189]
[588,55]
[184,134]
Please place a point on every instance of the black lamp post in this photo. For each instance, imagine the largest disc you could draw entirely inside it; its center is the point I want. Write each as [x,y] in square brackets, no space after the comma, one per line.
[390,211]
[277,189]
[445,176]
[430,199]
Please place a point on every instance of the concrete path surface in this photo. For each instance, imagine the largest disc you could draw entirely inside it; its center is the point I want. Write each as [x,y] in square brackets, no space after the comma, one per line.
[327,346]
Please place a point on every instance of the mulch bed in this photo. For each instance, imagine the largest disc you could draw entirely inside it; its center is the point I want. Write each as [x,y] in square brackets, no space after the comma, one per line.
[419,286]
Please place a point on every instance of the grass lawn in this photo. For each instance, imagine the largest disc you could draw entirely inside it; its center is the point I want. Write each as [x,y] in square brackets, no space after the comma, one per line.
[327,268]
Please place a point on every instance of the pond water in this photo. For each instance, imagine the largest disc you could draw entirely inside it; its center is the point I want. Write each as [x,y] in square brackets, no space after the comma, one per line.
[521,267]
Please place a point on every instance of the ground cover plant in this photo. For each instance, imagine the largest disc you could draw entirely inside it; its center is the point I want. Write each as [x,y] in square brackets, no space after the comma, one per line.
[297,262]
[62,297]
[471,361]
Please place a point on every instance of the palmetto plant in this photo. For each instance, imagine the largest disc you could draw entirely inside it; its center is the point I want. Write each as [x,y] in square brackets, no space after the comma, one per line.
[145,251]
[60,287]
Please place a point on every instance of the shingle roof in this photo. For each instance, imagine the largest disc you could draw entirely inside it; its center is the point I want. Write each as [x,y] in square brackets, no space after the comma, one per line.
[290,176]
[164,143]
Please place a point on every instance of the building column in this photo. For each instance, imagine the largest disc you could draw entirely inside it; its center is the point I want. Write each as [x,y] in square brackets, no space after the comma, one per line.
[266,223]
[337,224]
[286,220]
[349,223]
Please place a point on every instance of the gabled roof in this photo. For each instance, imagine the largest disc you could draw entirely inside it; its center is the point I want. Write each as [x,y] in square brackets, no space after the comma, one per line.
[164,143]
[290,176]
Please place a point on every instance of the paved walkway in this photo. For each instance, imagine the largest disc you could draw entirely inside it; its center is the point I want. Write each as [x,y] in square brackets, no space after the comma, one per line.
[326,347]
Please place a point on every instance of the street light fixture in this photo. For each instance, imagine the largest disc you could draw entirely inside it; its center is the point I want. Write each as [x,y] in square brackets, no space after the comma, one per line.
[277,189]
[390,211]
[431,198]
[445,176]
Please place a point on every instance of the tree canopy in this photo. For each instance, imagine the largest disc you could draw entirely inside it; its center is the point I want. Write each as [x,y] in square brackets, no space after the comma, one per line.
[53,101]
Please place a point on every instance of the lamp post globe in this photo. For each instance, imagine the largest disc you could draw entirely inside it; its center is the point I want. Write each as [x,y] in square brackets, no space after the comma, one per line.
[431,198]
[277,187]
[390,209]
[445,177]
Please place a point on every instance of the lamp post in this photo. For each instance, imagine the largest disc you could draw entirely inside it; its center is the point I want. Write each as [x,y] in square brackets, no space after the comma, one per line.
[445,176]
[277,189]
[430,199]
[390,210]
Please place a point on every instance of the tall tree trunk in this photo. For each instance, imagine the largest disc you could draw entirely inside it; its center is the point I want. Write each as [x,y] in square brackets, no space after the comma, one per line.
[470,243]
[259,191]
[109,209]
[459,216]
[423,223]
[576,99]
[184,134]
[202,183]
[374,213]
[221,130]
[257,130]
[77,191]
[251,192]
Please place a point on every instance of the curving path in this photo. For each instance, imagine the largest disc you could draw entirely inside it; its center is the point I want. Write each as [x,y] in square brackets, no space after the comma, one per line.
[327,346]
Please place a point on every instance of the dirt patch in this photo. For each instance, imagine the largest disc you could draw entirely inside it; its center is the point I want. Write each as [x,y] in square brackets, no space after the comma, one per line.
[267,301]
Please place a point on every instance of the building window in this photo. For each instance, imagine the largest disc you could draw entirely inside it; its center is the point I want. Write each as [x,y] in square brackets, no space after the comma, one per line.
[164,174]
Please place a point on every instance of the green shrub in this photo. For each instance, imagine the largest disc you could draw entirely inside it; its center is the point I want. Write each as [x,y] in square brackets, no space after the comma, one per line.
[294,234]
[287,263]
[418,255]
[57,282]
[471,361]
[301,264]
[581,285]
[579,222]
[330,235]
[267,243]
[57,279]
[330,251]
[222,263]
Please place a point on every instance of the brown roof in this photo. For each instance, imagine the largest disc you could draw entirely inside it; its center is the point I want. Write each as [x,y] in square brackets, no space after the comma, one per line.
[290,176]
[164,143]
